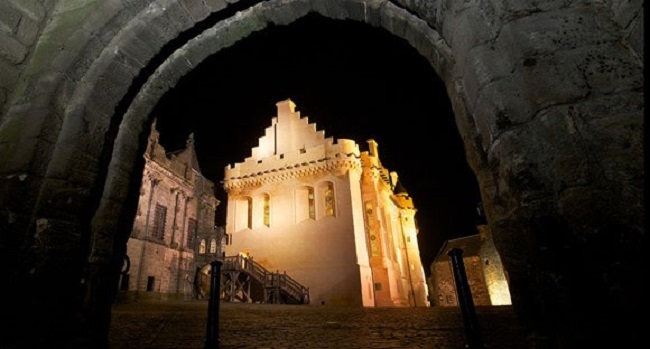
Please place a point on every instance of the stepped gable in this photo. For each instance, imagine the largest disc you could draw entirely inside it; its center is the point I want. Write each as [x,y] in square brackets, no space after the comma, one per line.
[291,147]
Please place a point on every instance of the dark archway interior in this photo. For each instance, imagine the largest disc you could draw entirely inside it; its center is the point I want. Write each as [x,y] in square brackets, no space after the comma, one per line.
[354,81]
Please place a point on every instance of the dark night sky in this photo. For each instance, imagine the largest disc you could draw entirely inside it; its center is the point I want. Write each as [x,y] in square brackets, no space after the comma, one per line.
[353,81]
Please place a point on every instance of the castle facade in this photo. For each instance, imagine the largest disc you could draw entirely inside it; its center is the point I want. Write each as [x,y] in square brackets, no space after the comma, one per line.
[329,215]
[174,224]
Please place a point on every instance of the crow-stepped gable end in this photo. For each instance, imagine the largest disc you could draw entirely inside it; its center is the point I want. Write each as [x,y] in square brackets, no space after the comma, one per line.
[309,206]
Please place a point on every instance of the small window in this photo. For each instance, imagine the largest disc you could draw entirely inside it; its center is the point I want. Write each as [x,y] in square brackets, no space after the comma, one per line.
[202,246]
[378,286]
[329,200]
[150,283]
[311,203]
[450,299]
[213,246]
[250,213]
[267,210]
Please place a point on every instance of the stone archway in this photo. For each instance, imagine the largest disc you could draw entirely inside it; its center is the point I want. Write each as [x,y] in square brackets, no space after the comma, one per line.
[72,132]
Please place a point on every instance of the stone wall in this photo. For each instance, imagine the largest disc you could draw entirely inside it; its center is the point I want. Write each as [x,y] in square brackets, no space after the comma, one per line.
[547,95]
[21,22]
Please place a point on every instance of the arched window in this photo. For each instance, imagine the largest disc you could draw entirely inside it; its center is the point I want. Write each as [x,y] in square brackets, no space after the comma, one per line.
[213,245]
[330,205]
[202,246]
[327,199]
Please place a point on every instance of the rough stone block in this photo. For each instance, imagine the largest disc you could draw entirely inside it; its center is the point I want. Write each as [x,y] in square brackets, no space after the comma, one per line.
[621,158]
[9,18]
[356,10]
[635,38]
[553,79]
[549,32]
[626,10]
[107,92]
[31,8]
[330,8]
[482,66]
[4,97]
[509,10]
[283,13]
[215,5]
[468,29]
[142,42]
[8,74]
[173,70]
[176,14]
[496,111]
[394,19]
[12,50]
[27,31]
[118,179]
[86,168]
[416,32]
[608,68]
[162,26]
[101,105]
[196,9]
[372,12]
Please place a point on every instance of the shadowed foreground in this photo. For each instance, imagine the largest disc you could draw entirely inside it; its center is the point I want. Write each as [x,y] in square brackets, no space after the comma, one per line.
[182,324]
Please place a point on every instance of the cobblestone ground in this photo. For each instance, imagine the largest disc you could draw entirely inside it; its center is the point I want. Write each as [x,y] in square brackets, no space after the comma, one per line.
[182,325]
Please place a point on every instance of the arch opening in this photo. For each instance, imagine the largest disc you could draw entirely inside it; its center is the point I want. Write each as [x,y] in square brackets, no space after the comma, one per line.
[353,81]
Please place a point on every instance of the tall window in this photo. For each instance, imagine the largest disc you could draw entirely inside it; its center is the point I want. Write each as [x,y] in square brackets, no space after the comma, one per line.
[159,219]
[250,213]
[191,232]
[213,245]
[330,206]
[305,204]
[267,210]
[202,246]
[312,203]
[242,213]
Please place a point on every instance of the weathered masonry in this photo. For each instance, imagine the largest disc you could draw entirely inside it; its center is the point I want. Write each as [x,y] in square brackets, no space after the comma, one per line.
[547,96]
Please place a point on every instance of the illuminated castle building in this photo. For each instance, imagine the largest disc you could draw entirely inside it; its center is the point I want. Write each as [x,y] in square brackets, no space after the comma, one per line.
[174,219]
[329,215]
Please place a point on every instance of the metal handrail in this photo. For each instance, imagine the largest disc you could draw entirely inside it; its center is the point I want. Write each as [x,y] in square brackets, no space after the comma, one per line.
[283,282]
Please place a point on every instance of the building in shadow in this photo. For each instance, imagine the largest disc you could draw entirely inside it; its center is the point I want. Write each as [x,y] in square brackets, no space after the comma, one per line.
[487,279]
[175,222]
